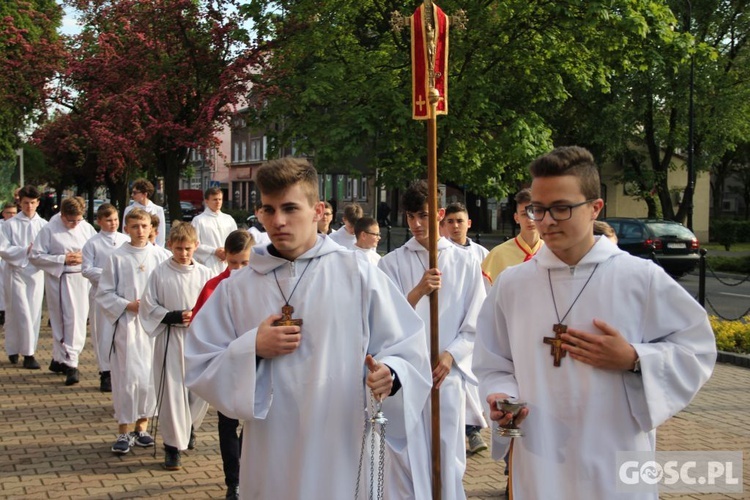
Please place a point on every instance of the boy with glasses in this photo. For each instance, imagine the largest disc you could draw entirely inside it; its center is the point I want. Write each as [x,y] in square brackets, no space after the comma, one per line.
[367,231]
[24,282]
[602,346]
[57,252]
[324,224]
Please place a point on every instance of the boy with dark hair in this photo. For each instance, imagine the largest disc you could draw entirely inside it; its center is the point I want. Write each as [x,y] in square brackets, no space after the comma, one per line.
[123,340]
[519,249]
[602,346]
[459,279]
[24,282]
[238,245]
[455,226]
[213,226]
[367,231]
[273,370]
[96,254]
[142,194]
[344,235]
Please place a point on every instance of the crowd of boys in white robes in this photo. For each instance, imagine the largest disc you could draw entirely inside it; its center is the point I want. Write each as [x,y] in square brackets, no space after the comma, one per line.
[145,349]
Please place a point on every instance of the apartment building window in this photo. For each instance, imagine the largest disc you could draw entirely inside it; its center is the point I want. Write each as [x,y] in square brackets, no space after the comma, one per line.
[255,150]
[236,153]
[244,151]
[362,189]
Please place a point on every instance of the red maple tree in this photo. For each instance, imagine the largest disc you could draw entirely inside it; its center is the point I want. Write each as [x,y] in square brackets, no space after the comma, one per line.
[149,80]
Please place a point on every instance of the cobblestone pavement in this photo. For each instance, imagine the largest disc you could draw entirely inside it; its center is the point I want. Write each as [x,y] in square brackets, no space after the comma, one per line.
[55,440]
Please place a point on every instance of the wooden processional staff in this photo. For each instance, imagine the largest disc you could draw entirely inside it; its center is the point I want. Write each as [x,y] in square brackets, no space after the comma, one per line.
[429,61]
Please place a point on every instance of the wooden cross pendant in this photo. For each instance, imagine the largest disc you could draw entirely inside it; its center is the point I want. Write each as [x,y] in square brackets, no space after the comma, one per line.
[556,342]
[286,318]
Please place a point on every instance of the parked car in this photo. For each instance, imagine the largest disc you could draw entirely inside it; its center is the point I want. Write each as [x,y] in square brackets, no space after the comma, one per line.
[188,211]
[673,246]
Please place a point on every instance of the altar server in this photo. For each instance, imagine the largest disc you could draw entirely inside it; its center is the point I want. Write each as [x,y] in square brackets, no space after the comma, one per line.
[602,346]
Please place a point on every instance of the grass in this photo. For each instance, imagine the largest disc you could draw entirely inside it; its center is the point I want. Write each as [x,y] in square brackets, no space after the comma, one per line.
[736,247]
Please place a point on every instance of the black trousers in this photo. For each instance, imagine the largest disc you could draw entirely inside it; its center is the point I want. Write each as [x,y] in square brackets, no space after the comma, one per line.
[230,445]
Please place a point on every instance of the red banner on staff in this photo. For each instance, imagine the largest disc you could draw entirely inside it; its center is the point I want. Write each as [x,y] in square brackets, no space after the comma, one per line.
[419,63]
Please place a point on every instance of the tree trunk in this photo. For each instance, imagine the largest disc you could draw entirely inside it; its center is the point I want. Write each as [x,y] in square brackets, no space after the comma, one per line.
[170,165]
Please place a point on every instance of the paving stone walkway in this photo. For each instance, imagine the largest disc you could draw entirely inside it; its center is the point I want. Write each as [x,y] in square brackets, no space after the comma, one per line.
[55,440]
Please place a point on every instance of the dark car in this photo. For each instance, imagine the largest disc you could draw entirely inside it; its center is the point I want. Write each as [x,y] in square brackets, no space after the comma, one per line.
[673,246]
[188,211]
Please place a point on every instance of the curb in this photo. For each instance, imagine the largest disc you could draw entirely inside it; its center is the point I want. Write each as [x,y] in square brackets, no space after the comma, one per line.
[733,358]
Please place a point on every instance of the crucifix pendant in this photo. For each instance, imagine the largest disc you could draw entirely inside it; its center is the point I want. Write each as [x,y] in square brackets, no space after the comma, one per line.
[556,342]
[142,267]
[286,318]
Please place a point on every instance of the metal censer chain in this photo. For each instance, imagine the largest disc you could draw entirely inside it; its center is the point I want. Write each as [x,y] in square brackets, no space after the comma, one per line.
[377,419]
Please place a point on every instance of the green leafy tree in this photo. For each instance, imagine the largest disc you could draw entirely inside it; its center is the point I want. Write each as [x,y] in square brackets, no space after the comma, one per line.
[338,82]
[642,122]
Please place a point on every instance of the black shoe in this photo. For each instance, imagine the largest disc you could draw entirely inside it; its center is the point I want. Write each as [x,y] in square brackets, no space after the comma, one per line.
[233,492]
[191,441]
[72,376]
[13,358]
[105,382]
[2,318]
[57,367]
[172,458]
[30,363]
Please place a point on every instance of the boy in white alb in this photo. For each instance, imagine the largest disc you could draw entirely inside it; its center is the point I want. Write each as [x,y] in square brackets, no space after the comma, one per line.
[602,346]
[367,231]
[461,292]
[142,193]
[165,311]
[9,211]
[344,235]
[455,227]
[57,251]
[23,282]
[96,253]
[301,386]
[213,226]
[123,340]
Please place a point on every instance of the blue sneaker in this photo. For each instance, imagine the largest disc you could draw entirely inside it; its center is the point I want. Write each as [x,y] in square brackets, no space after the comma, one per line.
[142,439]
[123,444]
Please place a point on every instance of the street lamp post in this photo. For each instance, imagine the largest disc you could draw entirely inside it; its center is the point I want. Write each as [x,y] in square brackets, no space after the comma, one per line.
[691,118]
[19,153]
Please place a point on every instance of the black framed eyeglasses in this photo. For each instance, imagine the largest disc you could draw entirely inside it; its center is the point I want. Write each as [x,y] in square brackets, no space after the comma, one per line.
[372,234]
[557,212]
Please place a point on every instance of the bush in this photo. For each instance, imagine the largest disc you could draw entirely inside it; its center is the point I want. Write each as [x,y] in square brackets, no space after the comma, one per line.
[729,264]
[239,216]
[732,336]
[728,232]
